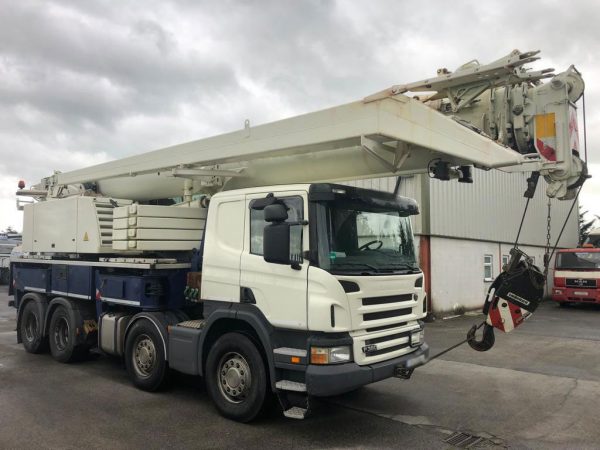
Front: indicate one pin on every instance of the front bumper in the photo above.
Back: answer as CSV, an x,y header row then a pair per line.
x,y
576,295
323,381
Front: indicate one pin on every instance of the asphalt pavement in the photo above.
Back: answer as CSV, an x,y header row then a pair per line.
x,y
539,387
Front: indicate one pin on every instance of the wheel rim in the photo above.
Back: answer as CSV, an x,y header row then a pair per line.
x,y
31,326
235,379
61,334
144,356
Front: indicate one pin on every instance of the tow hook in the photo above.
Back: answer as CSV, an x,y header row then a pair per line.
x,y
403,372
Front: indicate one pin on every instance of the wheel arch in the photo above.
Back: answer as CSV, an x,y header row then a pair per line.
x,y
159,320
251,323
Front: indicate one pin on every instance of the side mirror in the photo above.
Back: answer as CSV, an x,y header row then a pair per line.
x,y
275,213
282,244
276,243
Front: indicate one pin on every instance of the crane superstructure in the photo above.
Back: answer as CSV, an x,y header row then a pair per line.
x,y
236,257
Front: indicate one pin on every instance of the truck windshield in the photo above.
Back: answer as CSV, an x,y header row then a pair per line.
x,y
578,260
356,238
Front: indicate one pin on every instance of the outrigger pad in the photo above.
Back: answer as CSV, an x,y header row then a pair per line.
x,y
515,293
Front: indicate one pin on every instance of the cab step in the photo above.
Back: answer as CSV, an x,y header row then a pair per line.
x,y
294,400
195,324
286,385
295,412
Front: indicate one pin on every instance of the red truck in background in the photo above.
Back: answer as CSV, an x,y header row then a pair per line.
x,y
577,276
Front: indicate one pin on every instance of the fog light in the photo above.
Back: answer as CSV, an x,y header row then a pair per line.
x,y
417,337
330,355
557,291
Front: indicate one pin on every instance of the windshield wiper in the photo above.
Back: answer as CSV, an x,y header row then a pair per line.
x,y
402,266
356,264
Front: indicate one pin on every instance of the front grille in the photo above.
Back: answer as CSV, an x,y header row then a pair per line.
x,y
389,337
368,301
581,283
386,350
387,314
386,327
383,324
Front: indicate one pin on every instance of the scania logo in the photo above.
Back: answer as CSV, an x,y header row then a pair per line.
x,y
369,348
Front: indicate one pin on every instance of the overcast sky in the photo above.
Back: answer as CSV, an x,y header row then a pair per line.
x,y
83,82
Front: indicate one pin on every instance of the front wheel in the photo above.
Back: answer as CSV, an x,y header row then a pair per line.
x,y
236,377
145,356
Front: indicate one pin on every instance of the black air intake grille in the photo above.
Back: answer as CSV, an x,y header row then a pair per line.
x,y
386,299
389,337
580,283
387,314
386,350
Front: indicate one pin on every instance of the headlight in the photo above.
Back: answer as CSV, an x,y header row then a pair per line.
x,y
557,291
417,337
330,355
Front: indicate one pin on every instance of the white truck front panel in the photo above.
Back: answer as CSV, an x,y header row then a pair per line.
x,y
279,290
394,297
324,293
224,240
384,312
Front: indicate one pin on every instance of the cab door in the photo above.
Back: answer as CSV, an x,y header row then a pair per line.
x,y
278,290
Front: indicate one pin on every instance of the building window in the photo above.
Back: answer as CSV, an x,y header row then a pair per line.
x,y
488,267
505,259
257,224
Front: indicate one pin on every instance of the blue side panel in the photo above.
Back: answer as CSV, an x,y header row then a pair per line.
x,y
31,276
152,290
80,281
59,280
175,285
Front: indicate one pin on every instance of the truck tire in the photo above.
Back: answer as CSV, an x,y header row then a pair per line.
x,y
62,337
31,328
236,377
145,356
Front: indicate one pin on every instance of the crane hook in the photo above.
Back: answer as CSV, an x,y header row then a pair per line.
x,y
487,340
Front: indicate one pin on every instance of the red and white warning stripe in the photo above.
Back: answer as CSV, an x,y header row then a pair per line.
x,y
504,315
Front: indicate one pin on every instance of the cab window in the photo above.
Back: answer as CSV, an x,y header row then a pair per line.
x,y
257,221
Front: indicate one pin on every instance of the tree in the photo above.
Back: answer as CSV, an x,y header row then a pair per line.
x,y
585,225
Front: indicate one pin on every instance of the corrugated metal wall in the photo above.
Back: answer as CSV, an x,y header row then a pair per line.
x,y
379,184
490,209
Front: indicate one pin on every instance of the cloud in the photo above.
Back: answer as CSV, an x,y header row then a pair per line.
x,y
84,82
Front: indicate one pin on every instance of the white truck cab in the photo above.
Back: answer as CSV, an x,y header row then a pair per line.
x,y
327,276
351,266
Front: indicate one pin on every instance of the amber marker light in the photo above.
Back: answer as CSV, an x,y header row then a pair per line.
x,y
319,355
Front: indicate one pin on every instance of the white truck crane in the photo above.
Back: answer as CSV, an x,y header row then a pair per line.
x,y
236,257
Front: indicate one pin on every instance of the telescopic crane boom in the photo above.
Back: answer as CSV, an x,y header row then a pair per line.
x,y
489,116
